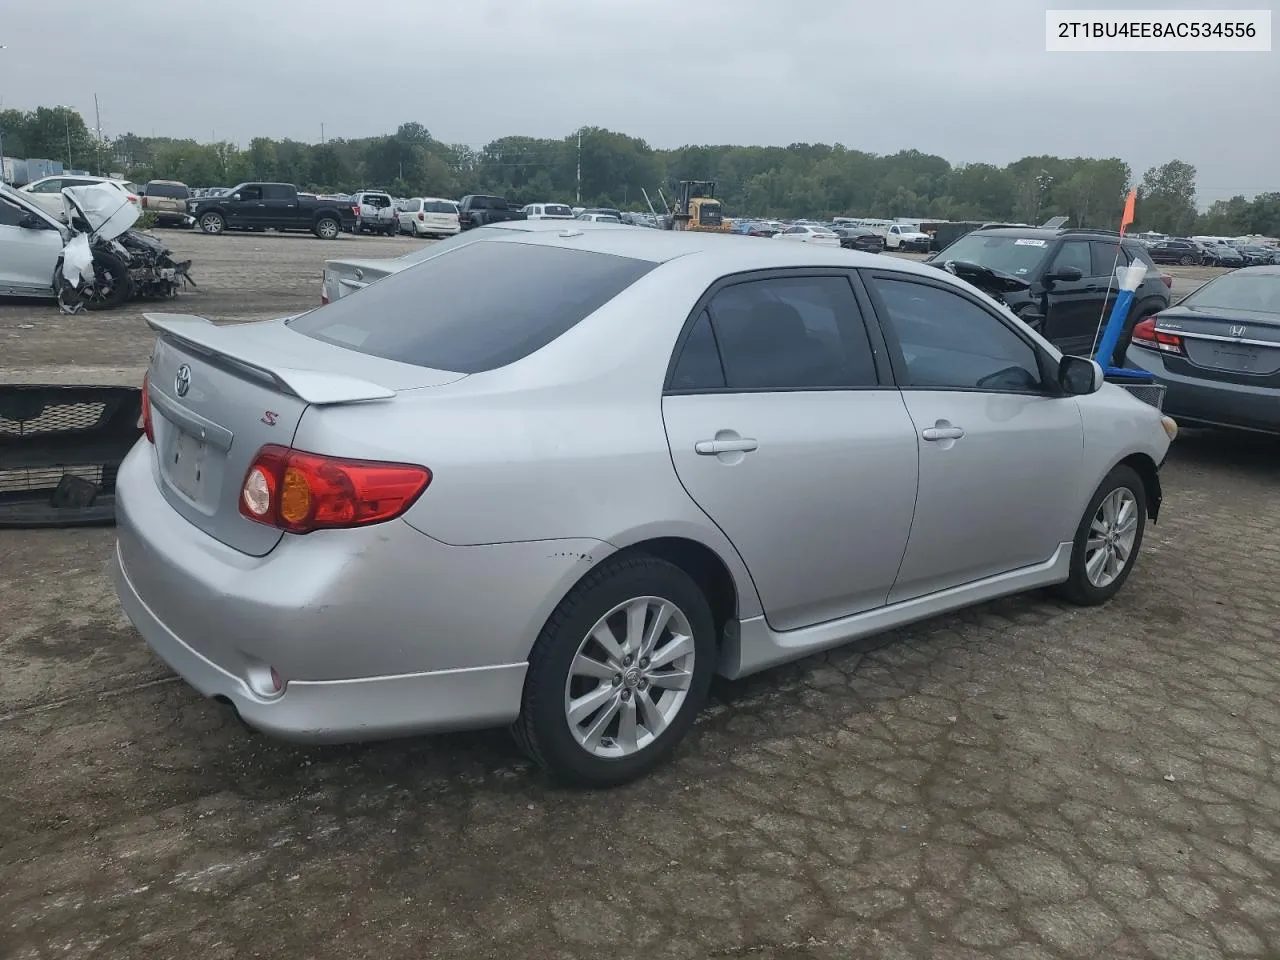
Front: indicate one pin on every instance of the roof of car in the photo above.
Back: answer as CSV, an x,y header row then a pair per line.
x,y
731,252
1266,269
1049,233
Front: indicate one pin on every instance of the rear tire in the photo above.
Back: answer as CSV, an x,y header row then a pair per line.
x,y
327,228
1187,260
638,714
1108,539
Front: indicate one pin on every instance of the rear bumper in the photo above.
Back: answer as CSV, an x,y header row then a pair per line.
x,y
379,632
1192,401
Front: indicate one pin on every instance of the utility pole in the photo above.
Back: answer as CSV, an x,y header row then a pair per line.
x,y
2,175
579,194
322,140
97,121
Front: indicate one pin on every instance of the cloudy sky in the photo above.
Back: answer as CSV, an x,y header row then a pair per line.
x,y
970,81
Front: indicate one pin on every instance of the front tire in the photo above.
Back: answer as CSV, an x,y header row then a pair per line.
x,y
618,673
1108,539
212,223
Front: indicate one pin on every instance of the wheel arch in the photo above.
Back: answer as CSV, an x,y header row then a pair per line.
x,y
1149,473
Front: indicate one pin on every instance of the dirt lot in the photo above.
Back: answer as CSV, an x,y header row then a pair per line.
x,y
1021,781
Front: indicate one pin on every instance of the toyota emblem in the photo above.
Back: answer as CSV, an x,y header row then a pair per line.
x,y
182,380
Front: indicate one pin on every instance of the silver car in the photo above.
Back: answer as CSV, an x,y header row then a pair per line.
x,y
558,478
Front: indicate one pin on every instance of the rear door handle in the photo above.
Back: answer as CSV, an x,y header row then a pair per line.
x,y
710,448
942,433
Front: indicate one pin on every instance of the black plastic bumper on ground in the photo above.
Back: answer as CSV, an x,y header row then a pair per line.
x,y
60,447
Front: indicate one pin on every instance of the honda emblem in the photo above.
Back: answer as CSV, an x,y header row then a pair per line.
x,y
1237,331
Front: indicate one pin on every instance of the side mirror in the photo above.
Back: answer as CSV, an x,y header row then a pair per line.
x,y
1069,274
235,196
1078,376
32,222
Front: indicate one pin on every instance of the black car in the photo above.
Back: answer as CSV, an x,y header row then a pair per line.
x,y
1057,280
1217,352
1256,255
860,238
1177,250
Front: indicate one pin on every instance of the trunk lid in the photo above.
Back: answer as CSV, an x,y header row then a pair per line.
x,y
1238,346
220,393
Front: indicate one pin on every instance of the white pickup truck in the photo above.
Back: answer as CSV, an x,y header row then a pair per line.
x,y
906,236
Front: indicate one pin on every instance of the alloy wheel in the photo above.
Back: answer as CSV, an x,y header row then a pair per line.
x,y
1112,532
630,677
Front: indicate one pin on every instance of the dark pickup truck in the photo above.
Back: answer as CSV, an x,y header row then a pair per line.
x,y
276,206
480,211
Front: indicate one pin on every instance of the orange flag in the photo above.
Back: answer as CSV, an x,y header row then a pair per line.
x,y
1128,211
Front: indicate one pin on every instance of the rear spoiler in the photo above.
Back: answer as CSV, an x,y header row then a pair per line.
x,y
310,386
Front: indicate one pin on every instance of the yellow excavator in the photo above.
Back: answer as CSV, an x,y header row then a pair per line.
x,y
695,208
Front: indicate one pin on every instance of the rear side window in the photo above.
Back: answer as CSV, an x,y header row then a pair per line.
x,y
793,333
471,310
699,365
277,191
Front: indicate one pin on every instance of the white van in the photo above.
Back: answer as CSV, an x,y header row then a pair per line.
x,y
428,217
548,211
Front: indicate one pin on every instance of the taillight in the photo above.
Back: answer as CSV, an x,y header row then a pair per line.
x,y
145,420
133,199
1167,280
422,216
355,211
1146,335
144,202
300,492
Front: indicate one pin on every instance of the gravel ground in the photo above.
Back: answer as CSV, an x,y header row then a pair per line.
x,y
1023,780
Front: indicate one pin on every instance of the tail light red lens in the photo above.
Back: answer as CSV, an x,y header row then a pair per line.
x,y
145,420
422,216
1167,280
144,202
1146,335
300,492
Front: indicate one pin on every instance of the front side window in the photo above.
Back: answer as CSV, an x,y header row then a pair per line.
x,y
48,186
1075,253
948,342
250,193
793,333
10,214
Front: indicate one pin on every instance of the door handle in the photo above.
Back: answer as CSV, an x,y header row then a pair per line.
x,y
942,433
711,448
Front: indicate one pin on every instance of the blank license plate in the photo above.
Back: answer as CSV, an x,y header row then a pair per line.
x,y
186,466
1235,358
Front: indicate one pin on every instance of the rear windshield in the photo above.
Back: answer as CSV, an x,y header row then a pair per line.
x,y
176,191
471,309
556,210
437,206
1259,293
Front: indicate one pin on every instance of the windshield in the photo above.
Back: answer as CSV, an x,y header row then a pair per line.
x,y
1017,256
1258,293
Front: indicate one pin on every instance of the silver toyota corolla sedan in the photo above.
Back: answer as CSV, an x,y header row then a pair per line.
x,y
558,477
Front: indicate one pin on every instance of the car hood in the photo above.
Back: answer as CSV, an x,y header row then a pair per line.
x,y
984,278
105,208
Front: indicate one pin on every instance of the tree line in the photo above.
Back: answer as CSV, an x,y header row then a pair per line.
x,y
803,179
